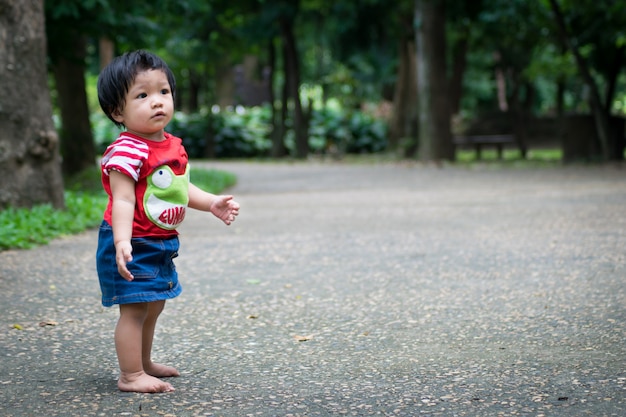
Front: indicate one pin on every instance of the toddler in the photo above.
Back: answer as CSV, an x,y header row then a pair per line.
x,y
145,172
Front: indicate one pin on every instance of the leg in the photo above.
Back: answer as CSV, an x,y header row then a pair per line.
x,y
128,344
155,369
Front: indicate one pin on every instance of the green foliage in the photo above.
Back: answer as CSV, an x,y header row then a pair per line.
x,y
26,228
369,135
238,132
352,132
212,181
242,132
85,201
104,131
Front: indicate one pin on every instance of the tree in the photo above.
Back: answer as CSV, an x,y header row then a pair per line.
x,y
434,138
29,150
291,60
605,43
67,48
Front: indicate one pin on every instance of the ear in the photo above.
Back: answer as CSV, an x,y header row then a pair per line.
x,y
117,116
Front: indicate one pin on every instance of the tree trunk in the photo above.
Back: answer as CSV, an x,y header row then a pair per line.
x,y
403,124
284,106
30,165
293,69
614,72
459,63
520,111
278,141
77,145
503,103
106,51
195,86
435,138
224,83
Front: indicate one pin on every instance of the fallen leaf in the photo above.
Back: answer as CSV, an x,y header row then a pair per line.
x,y
303,338
254,281
48,323
252,316
18,327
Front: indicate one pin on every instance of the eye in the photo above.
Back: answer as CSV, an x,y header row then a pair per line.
x,y
165,91
162,178
142,95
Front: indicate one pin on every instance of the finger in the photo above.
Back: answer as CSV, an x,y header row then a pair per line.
x,y
123,269
126,274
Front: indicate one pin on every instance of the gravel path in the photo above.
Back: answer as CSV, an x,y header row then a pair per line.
x,y
381,289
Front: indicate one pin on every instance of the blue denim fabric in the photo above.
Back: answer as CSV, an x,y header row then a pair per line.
x,y
152,266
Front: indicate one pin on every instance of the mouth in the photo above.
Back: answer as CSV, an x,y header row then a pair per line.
x,y
159,114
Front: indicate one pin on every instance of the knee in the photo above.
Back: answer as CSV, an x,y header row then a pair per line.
x,y
135,312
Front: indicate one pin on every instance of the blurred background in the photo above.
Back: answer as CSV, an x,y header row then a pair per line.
x,y
277,78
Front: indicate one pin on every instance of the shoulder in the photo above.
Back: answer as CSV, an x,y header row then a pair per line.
x,y
127,146
125,141
126,155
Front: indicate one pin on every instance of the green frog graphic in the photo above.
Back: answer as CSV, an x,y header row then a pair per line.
x,y
166,197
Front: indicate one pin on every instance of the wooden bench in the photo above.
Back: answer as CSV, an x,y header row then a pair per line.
x,y
479,141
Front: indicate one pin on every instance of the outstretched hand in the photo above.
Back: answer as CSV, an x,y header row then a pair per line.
x,y
225,208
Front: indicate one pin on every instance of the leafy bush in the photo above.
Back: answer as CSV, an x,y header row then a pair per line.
x,y
193,129
369,135
351,132
242,132
26,228
245,132
328,128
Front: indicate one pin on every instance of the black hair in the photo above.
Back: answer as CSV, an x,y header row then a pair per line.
x,y
116,78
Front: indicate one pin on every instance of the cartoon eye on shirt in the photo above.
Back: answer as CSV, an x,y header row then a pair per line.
x,y
166,197
162,178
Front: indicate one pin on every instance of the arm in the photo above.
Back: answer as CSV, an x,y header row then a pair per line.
x,y
123,210
222,206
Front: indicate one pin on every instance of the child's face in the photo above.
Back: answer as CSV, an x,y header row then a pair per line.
x,y
149,105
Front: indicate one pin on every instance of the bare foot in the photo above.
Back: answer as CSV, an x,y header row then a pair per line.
x,y
160,371
142,382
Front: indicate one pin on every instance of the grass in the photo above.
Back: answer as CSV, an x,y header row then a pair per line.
x,y
25,228
511,158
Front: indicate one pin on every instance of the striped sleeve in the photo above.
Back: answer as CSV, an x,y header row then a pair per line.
x,y
125,155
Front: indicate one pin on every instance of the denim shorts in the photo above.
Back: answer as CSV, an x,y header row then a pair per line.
x,y
152,266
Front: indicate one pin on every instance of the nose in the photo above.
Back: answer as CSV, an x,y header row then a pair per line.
x,y
157,101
